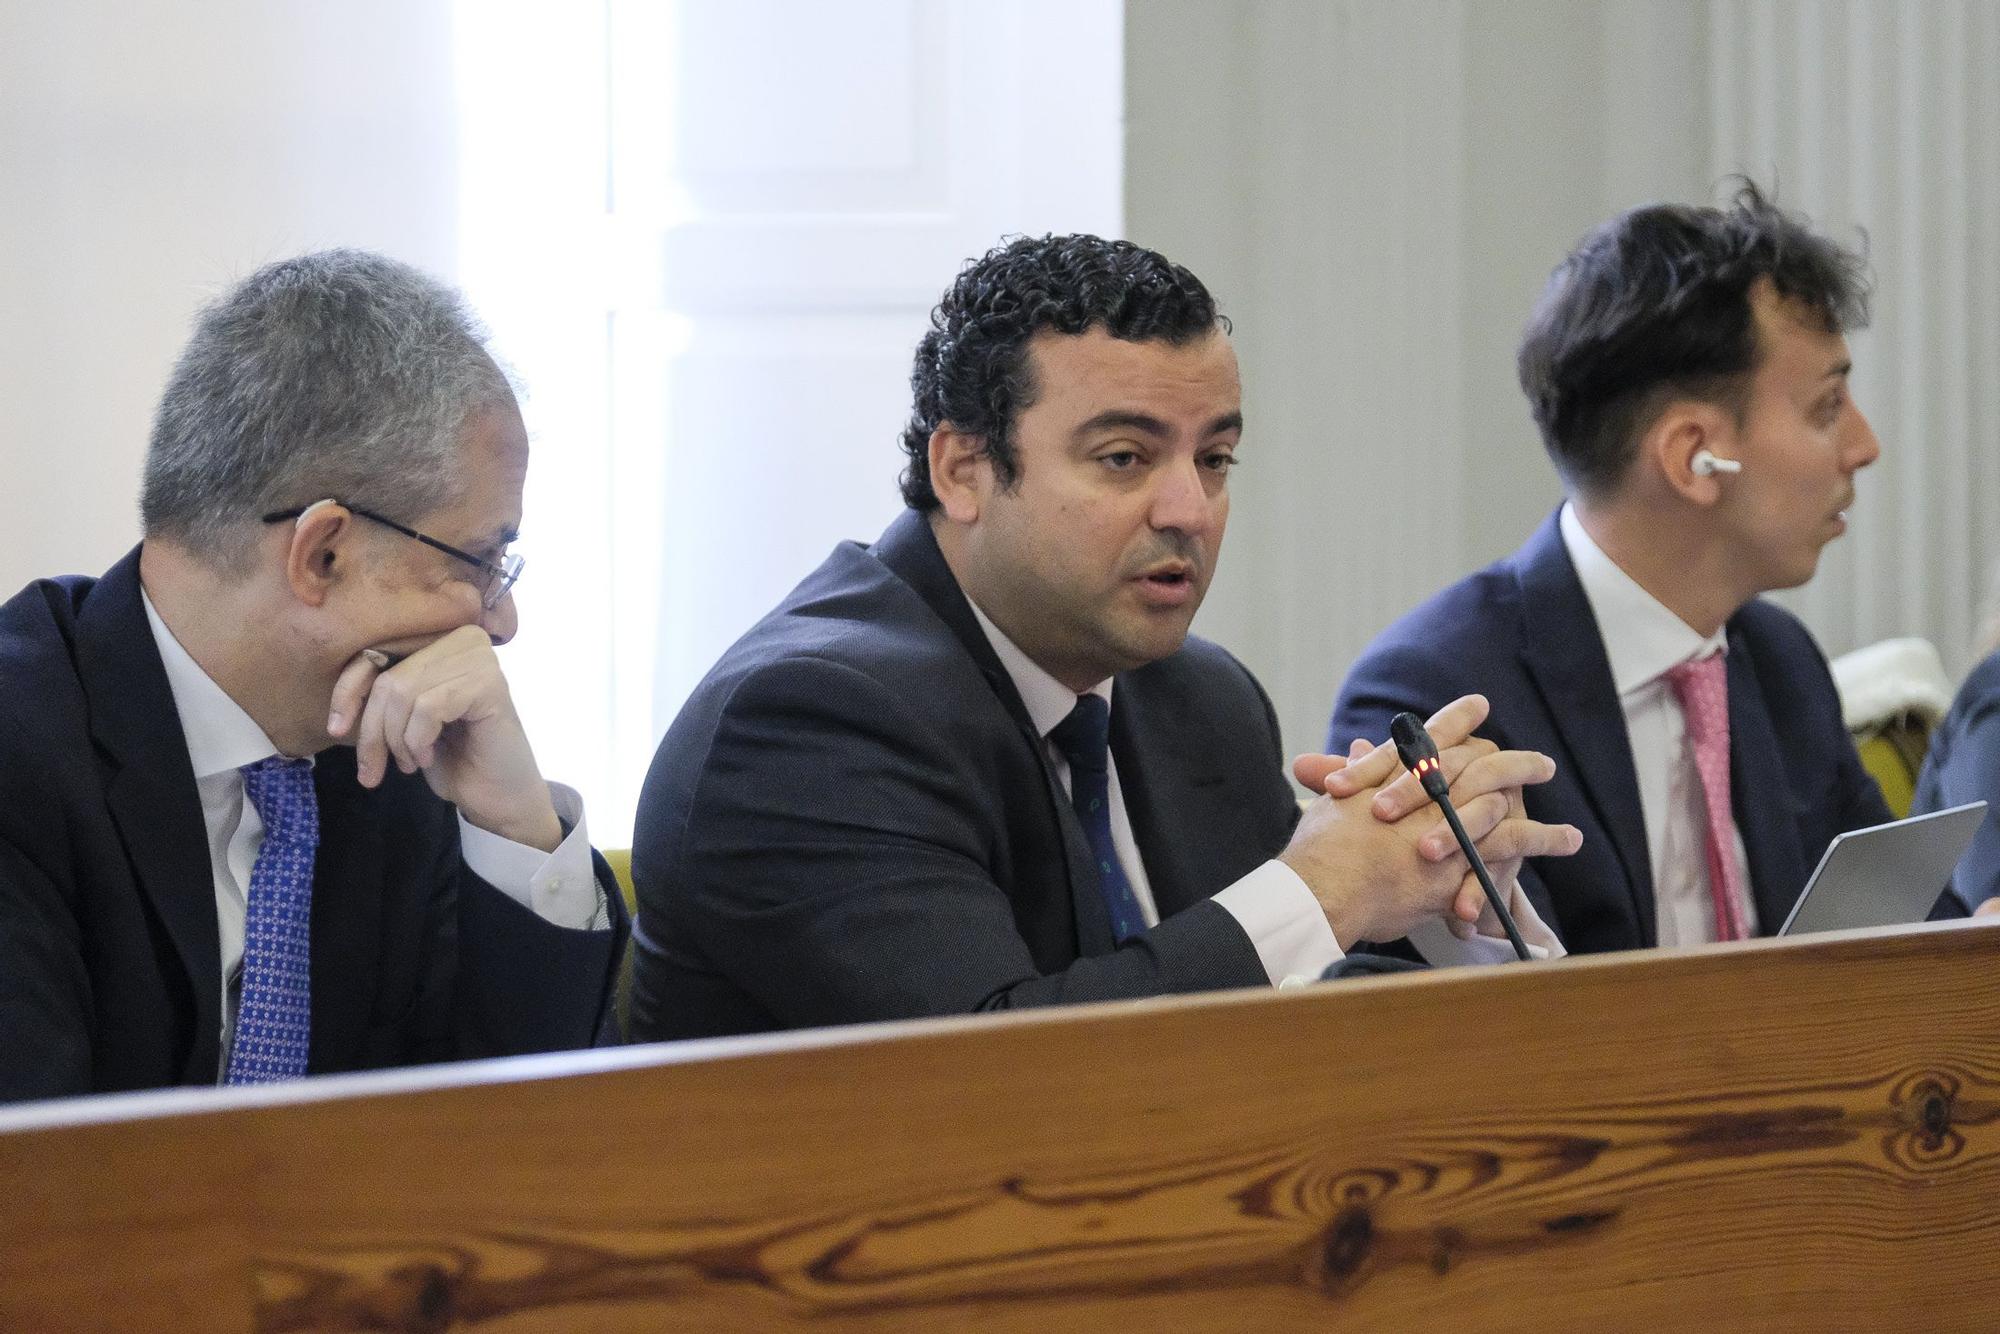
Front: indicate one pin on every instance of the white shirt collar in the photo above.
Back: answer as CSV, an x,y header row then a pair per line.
x,y
1642,638
1048,700
221,737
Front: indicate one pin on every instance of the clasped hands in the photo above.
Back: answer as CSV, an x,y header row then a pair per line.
x,y
1352,846
445,709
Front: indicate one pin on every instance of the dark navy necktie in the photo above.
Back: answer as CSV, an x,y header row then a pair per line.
x,y
1085,741
274,1019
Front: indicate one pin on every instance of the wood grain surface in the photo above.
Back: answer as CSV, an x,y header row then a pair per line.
x,y
1763,1136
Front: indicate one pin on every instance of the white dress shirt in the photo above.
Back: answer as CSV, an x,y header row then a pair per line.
x,y
560,886
1643,640
1285,923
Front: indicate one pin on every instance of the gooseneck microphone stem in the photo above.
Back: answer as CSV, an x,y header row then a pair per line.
x,y
1485,879
1420,756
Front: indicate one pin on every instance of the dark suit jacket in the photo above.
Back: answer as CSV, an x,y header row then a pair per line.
x,y
109,957
1961,765
852,819
1521,633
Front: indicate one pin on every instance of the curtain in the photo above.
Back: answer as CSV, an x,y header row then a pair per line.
x,y
1885,116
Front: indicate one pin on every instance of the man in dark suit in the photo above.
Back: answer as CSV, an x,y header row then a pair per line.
x,y
265,806
1688,370
981,765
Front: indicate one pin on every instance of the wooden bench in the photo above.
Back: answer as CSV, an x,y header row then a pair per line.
x,y
1764,1136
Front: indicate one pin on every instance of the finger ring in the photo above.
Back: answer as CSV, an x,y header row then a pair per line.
x,y
377,658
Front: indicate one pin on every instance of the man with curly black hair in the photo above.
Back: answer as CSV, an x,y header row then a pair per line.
x,y
981,765
1688,368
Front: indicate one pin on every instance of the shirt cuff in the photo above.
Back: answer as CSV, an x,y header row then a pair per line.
x,y
559,887
1442,945
1285,923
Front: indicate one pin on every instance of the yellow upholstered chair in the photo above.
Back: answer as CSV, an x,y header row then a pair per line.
x,y
1892,695
620,862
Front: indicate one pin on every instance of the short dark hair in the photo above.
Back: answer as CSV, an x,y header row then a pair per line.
x,y
972,369
1654,305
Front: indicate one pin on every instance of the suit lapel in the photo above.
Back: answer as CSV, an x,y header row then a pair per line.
x,y
909,550
1166,765
1563,652
1759,796
348,879
150,790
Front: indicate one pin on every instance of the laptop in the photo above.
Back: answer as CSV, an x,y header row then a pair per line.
x,y
1886,875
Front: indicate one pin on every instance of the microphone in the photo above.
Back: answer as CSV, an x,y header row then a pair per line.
x,y
1420,756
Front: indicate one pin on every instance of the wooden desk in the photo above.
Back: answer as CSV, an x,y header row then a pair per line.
x,y
1765,1136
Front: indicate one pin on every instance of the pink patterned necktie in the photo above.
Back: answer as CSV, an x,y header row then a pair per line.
x,y
1702,687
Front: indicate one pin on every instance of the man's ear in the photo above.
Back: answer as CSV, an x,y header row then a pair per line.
x,y
1684,429
961,472
320,553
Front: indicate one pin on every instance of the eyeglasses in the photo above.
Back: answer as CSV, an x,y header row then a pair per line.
x,y
500,578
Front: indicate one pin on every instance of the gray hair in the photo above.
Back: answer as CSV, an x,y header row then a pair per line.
x,y
342,374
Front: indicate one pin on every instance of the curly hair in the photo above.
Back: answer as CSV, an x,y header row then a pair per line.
x,y
1655,304
972,370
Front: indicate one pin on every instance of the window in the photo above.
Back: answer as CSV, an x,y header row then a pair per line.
x,y
707,235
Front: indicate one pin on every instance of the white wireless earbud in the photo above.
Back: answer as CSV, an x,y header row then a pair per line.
x,y
1706,464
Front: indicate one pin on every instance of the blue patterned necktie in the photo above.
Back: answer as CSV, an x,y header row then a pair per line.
x,y
274,1019
1085,741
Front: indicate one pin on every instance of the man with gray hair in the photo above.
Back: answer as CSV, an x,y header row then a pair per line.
x,y
266,808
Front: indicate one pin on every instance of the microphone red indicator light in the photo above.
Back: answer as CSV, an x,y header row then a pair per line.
x,y
1419,754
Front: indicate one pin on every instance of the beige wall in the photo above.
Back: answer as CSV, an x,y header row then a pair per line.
x,y
149,154
1376,194
1374,190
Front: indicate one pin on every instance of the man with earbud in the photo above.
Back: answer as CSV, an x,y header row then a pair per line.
x,y
1689,372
